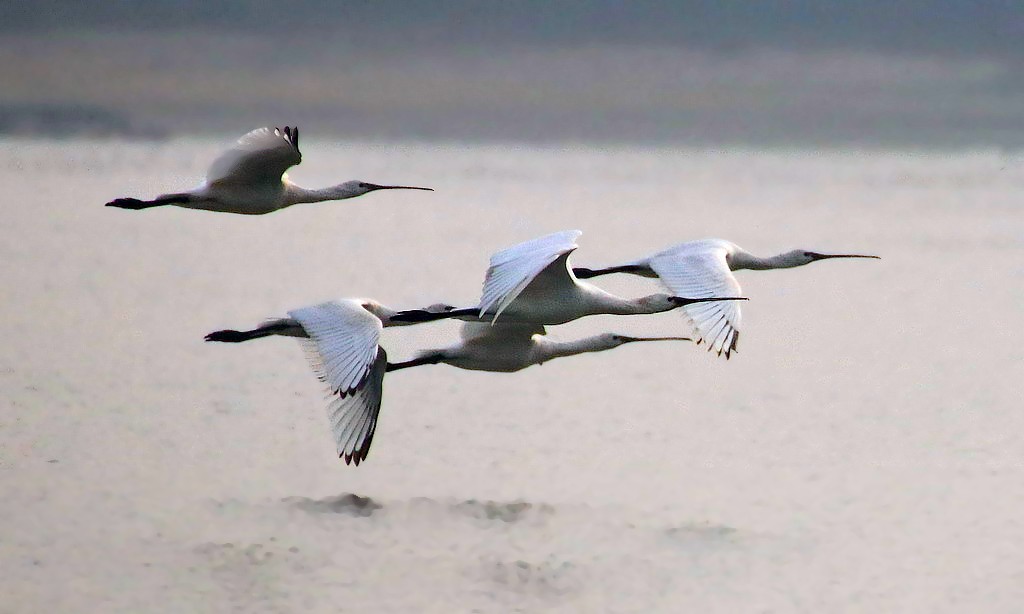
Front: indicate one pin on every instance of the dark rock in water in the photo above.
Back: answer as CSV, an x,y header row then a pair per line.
x,y
496,510
349,503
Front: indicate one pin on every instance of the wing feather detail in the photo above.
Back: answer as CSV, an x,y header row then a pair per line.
x,y
694,270
512,270
353,415
260,156
343,350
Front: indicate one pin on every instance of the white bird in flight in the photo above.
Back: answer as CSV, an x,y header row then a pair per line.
x,y
342,344
532,283
341,339
250,179
704,268
507,347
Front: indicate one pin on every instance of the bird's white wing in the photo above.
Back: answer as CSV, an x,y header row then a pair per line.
x,y
697,271
504,331
353,416
343,350
513,269
260,156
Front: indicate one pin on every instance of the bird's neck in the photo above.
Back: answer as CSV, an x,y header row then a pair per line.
x,y
616,305
548,349
298,194
383,313
740,259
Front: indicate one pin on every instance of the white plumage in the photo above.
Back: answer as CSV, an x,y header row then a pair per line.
x,y
533,263
249,179
704,268
701,269
532,282
259,157
506,347
342,343
341,339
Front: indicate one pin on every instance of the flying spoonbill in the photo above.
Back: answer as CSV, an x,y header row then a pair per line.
x,y
507,347
532,283
250,179
704,268
342,343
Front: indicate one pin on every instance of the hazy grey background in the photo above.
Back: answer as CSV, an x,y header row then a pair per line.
x,y
862,453
916,73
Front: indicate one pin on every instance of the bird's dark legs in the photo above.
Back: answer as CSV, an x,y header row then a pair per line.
x,y
136,204
635,269
422,315
429,359
237,336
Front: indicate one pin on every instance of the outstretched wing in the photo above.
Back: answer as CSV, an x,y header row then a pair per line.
x,y
513,269
344,352
260,156
353,416
698,270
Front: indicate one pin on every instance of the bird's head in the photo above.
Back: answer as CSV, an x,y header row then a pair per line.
x,y
614,340
657,303
358,188
799,257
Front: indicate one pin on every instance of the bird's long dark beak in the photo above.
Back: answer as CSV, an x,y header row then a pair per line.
x,y
682,300
825,256
374,186
626,339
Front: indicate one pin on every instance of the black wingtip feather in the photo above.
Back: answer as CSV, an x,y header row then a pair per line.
x,y
290,134
359,454
354,458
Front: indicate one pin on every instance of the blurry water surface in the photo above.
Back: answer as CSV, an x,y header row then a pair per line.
x,y
862,452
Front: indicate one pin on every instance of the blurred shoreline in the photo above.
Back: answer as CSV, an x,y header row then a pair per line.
x,y
161,83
